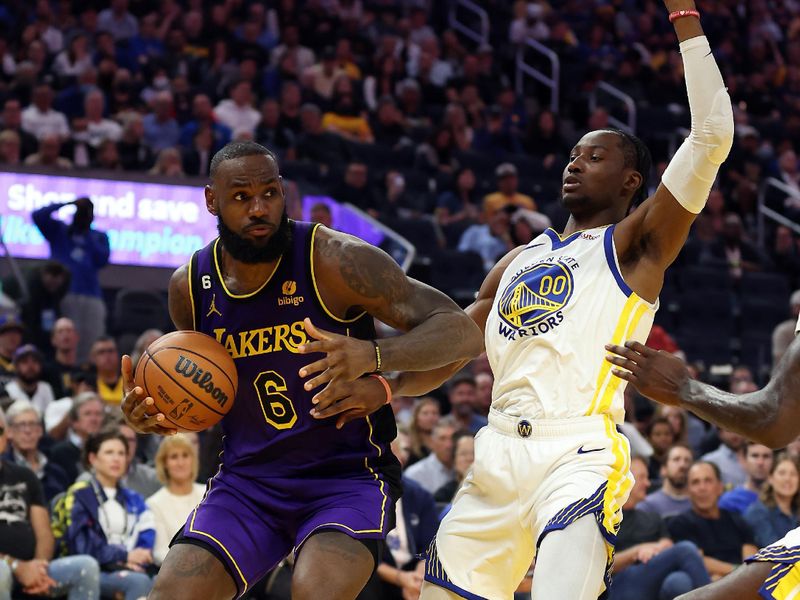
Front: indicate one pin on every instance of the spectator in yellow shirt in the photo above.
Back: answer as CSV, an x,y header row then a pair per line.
x,y
506,194
346,118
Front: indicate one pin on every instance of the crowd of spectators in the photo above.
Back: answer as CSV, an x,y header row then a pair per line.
x,y
382,105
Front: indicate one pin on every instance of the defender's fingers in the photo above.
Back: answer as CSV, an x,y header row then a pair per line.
x,y
626,375
623,351
623,362
640,348
336,408
323,377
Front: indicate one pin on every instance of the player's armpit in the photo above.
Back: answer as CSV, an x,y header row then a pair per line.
x,y
181,310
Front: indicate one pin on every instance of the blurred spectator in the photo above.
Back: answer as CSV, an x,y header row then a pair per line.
x,y
785,254
387,125
25,431
673,497
688,428
435,470
356,189
27,384
728,458
147,45
86,418
107,157
483,392
10,148
321,77
528,23
775,513
168,163
783,334
47,286
661,438
176,466
48,154
493,139
75,58
757,465
463,457
146,338
732,249
196,160
272,134
647,564
134,155
461,204
724,538
526,225
543,139
139,477
160,127
455,119
203,118
26,541
105,361
118,21
317,145
491,240
12,121
290,44
57,418
462,395
93,129
64,363
507,193
438,153
11,331
102,518
84,251
409,97
383,82
40,120
321,213
400,574
237,112
345,117
423,419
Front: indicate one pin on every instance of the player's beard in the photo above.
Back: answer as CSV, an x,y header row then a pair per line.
x,y
245,251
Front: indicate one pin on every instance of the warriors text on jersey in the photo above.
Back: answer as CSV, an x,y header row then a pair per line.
x,y
558,303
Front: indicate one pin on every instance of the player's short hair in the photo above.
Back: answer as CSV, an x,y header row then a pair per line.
x,y
239,150
637,157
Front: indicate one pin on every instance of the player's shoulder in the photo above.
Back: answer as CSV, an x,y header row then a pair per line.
x,y
331,246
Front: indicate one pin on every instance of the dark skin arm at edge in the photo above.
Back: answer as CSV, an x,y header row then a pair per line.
x,y
422,382
769,416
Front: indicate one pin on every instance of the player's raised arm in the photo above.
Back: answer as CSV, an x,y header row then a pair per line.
x,y
769,416
657,230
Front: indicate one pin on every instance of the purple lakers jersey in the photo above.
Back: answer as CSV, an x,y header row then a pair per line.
x,y
269,431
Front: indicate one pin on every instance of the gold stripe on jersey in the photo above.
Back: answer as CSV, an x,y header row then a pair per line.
x,y
607,383
619,481
225,289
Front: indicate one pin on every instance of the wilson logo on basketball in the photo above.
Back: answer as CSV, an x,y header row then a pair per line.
x,y
202,379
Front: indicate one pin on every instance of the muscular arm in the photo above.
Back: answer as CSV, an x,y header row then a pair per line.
x,y
180,303
422,382
650,238
356,275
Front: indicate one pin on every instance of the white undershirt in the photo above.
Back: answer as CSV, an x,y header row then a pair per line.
x,y
112,518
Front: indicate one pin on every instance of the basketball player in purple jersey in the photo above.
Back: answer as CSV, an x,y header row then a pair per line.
x,y
290,481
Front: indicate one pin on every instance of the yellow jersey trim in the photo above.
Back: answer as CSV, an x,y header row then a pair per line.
x,y
225,287
316,288
191,292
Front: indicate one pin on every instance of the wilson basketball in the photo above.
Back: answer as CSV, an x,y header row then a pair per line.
x,y
191,378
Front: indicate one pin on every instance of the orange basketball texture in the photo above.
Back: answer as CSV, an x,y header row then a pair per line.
x,y
191,378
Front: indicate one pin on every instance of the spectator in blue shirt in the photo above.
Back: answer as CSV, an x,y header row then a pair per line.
x,y
84,251
775,513
161,130
491,240
757,465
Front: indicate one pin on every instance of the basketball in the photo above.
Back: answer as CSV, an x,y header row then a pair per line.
x,y
191,378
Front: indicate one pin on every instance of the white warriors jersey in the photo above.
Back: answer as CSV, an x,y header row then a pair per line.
x,y
558,303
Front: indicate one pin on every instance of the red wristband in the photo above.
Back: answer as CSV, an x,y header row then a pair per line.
x,y
386,386
679,14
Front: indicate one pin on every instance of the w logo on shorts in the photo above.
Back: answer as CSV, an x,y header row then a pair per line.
x,y
536,293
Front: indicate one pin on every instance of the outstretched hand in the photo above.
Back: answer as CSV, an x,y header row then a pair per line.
x,y
656,374
135,405
346,359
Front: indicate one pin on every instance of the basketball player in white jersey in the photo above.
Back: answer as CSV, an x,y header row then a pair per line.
x,y
551,472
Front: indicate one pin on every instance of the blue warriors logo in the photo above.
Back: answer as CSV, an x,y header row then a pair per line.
x,y
533,300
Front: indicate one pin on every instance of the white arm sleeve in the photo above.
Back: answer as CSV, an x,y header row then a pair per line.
x,y
692,171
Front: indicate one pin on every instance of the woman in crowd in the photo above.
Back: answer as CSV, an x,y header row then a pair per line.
x,y
103,519
176,467
774,514
424,418
463,457
661,437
